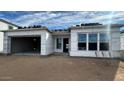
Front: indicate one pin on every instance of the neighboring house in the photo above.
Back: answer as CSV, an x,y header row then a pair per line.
x,y
5,25
84,41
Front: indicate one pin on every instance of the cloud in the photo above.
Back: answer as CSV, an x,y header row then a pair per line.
x,y
64,19
113,16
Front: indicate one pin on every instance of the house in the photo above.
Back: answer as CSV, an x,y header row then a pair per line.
x,y
81,40
5,25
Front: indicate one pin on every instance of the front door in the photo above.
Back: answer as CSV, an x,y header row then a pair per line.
x,y
65,45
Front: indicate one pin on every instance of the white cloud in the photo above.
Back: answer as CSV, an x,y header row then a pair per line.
x,y
115,16
35,18
61,19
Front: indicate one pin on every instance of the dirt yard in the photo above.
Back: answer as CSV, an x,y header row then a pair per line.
x,y
37,68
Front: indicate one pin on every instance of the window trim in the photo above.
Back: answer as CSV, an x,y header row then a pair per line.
x,y
108,41
98,41
81,42
93,42
57,44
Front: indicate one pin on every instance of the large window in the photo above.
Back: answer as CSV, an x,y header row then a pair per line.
x,y
58,43
104,42
81,41
92,41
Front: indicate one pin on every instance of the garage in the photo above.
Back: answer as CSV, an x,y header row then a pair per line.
x,y
25,45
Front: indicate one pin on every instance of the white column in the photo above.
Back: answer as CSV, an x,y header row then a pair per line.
x,y
5,44
9,45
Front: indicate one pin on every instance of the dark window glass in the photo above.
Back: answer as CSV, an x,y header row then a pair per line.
x,y
81,46
92,46
104,46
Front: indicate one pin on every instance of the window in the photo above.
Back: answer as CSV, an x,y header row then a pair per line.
x,y
58,43
81,41
92,41
10,27
104,41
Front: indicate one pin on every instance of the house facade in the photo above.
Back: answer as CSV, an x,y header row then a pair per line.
x,y
83,41
95,41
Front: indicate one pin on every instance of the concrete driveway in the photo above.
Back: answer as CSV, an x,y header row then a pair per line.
x,y
37,68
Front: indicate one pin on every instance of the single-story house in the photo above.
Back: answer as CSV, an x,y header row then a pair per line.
x,y
84,41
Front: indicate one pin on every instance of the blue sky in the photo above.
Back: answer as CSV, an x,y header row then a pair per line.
x,y
61,19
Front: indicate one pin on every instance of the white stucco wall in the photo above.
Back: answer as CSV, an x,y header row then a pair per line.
x,y
114,43
49,43
1,42
46,40
3,26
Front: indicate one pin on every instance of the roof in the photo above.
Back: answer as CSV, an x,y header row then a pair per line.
x,y
96,26
27,29
2,20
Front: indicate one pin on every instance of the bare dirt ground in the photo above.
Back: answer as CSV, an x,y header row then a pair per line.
x,y
37,68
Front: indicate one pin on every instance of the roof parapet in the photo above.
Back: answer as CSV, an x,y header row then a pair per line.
x,y
95,26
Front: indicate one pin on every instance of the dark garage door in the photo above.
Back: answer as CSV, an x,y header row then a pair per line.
x,y
25,45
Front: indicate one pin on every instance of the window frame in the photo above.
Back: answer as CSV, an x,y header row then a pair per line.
x,y
93,41
82,42
107,41
57,39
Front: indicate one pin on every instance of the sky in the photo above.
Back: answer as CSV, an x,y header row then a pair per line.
x,y
62,19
